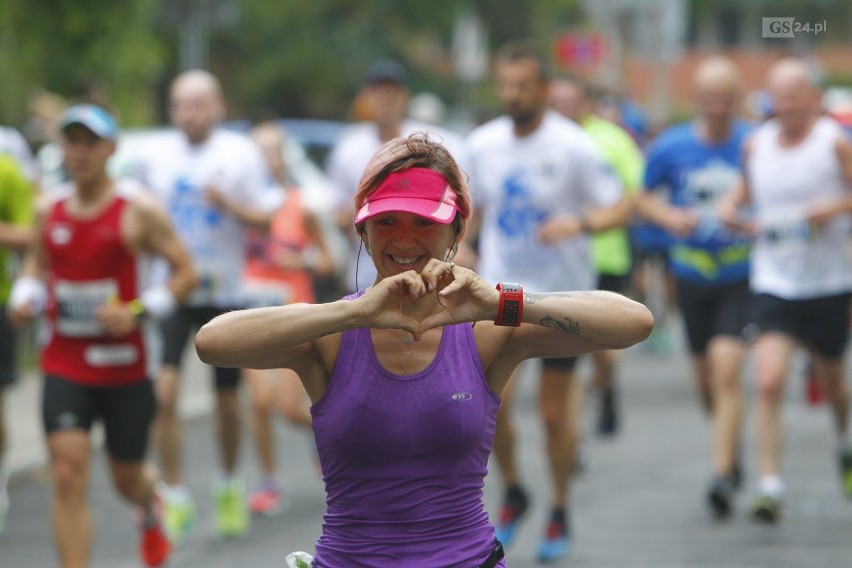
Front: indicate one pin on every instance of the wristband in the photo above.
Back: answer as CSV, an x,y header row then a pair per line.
x,y
28,290
584,224
511,308
137,308
158,301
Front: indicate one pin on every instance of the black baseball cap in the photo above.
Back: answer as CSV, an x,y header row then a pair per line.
x,y
386,71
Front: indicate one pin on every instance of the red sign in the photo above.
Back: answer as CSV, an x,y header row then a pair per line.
x,y
580,50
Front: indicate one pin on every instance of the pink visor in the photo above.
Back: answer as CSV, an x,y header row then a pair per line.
x,y
421,191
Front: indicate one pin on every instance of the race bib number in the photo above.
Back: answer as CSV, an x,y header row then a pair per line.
x,y
76,305
788,232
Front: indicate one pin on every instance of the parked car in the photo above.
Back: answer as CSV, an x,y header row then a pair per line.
x,y
316,136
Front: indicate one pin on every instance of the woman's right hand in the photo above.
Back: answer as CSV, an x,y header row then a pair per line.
x,y
381,306
465,297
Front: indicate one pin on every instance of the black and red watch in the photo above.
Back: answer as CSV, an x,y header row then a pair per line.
x,y
511,308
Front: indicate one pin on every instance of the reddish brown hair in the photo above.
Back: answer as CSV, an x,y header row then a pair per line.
x,y
420,150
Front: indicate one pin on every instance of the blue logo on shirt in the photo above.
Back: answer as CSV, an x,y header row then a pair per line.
x,y
518,216
190,210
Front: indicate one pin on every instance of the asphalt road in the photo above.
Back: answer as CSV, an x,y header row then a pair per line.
x,y
639,502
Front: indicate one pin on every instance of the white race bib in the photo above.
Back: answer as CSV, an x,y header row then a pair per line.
x,y
788,231
76,305
113,355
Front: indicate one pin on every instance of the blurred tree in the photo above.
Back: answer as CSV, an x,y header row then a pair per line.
x,y
72,48
308,58
293,58
286,58
507,19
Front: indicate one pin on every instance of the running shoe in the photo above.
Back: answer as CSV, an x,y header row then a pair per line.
x,y
232,518
266,501
557,539
154,545
660,342
845,463
766,509
515,504
608,417
737,473
178,514
720,496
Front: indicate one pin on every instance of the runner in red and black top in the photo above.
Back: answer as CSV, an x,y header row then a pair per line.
x,y
90,265
84,270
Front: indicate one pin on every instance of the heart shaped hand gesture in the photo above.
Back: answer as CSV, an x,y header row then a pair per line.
x,y
405,301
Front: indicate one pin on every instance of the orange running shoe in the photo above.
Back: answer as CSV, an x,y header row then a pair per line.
x,y
266,502
154,546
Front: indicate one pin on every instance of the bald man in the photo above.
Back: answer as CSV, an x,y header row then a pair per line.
x,y
799,185
690,168
212,181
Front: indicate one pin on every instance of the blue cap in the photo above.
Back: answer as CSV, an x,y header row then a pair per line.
x,y
93,117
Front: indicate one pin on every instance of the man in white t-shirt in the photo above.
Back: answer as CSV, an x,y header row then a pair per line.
x,y
386,96
798,169
212,181
539,187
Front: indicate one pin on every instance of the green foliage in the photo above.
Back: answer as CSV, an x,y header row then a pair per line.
x,y
67,46
284,57
309,58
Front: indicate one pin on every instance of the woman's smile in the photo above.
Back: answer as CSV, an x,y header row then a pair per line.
x,y
405,261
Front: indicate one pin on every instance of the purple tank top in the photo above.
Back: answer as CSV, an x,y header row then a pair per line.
x,y
404,458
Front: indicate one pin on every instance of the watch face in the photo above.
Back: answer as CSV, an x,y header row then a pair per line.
x,y
510,310
511,296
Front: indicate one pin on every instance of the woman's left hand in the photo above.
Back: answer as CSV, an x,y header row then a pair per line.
x,y
465,296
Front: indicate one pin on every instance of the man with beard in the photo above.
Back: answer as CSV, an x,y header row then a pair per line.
x,y
539,188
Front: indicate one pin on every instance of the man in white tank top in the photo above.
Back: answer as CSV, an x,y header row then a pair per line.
x,y
799,184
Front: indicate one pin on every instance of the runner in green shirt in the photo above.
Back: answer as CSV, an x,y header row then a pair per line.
x,y
575,98
16,217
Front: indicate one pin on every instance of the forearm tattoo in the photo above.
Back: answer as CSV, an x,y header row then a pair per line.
x,y
569,326
565,324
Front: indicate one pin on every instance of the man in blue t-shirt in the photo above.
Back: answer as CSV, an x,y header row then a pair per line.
x,y
689,168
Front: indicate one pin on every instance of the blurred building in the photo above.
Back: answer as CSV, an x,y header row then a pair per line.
x,y
652,46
